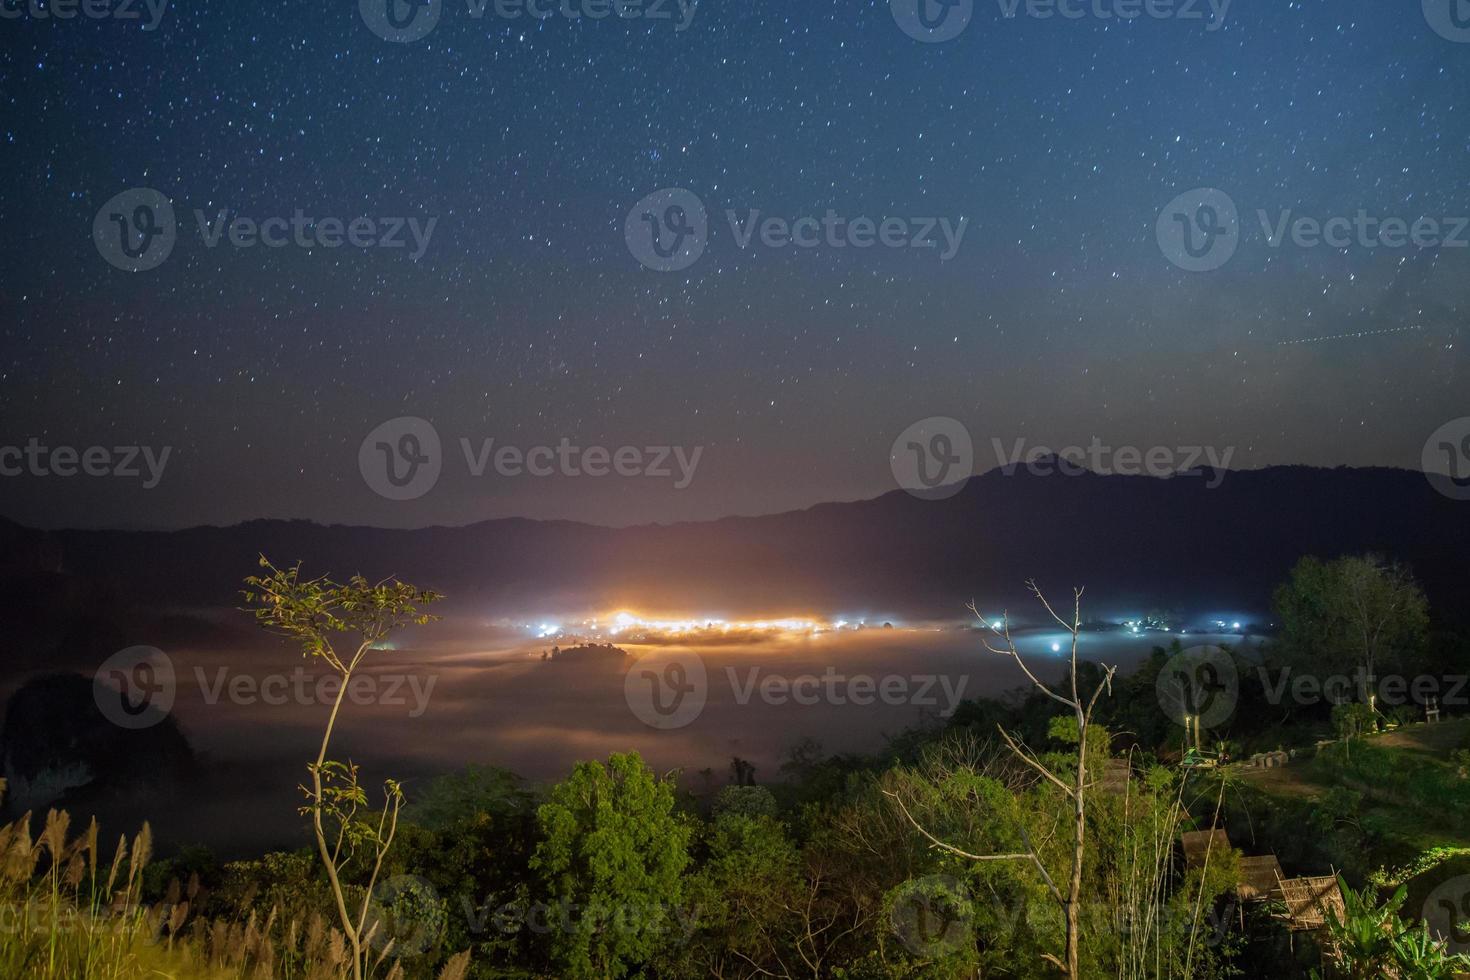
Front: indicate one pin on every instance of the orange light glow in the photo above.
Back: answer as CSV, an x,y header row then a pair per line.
x,y
630,625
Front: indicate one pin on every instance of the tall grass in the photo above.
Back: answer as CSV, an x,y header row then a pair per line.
x,y
68,913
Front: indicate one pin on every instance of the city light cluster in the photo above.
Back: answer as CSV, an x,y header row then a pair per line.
x,y
628,625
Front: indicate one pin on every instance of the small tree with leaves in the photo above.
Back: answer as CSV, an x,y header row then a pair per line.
x,y
338,624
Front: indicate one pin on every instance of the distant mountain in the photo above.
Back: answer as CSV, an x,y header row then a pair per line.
x,y
1172,543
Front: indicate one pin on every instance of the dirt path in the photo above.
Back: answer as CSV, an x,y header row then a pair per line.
x,y
1282,781
1436,740
1433,741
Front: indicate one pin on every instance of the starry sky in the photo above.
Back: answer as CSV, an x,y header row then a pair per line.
x,y
528,319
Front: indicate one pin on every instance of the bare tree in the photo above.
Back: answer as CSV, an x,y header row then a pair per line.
x,y
1081,706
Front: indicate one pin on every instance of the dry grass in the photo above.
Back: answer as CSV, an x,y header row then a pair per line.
x,y
69,913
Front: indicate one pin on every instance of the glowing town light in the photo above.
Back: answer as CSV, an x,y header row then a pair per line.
x,y
1056,648
1235,626
997,625
629,624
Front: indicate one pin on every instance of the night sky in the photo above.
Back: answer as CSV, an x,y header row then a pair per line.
x,y
528,319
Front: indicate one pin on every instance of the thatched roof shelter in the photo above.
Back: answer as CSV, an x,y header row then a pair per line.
x,y
1197,845
1259,877
1308,899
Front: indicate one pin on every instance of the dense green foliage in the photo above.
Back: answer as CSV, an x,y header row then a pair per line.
x,y
937,857
612,857
1356,611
